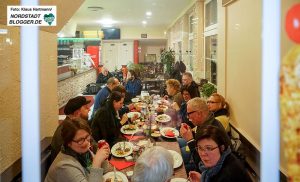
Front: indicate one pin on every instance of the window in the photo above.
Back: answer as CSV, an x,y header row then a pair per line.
x,y
211,40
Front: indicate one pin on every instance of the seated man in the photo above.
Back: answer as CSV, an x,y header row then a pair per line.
x,y
155,164
76,107
104,76
104,93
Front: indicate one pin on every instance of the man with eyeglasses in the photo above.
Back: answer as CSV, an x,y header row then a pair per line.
x,y
199,114
77,107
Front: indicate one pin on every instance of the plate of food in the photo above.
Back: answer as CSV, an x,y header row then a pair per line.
x,y
129,129
176,158
140,105
122,149
134,100
163,118
110,177
132,114
161,108
169,132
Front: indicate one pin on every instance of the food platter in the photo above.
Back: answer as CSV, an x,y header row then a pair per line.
x,y
131,114
118,150
140,104
169,132
176,158
109,177
163,118
129,129
134,100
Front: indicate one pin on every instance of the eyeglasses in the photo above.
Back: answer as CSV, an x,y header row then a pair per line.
x,y
82,140
190,113
211,102
206,148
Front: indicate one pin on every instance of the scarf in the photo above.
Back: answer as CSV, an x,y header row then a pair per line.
x,y
207,173
84,159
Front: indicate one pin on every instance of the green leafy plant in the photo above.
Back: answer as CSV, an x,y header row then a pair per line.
x,y
167,57
137,68
207,89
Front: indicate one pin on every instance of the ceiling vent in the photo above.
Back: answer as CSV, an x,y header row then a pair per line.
x,y
95,8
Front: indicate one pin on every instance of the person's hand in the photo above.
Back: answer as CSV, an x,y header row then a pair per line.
x,y
100,156
194,176
124,119
186,132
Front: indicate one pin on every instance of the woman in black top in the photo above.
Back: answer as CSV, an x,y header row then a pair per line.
x,y
107,122
218,164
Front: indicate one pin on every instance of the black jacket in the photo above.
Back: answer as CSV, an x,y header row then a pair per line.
x,y
232,171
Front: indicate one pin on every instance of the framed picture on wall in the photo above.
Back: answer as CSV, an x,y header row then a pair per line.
x,y
150,57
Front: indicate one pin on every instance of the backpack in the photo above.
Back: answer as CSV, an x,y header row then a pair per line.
x,y
92,89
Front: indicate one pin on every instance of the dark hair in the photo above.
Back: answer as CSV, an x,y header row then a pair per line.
x,y
119,88
216,134
188,89
133,73
70,127
116,96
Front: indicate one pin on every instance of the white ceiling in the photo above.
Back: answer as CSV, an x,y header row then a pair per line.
x,y
130,13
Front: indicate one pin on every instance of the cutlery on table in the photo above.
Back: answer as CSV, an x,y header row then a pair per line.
x,y
115,175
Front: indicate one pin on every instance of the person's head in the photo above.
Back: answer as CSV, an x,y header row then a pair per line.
x,y
78,107
76,134
112,82
173,86
211,143
104,71
187,78
117,100
131,75
186,93
216,102
197,111
155,164
121,89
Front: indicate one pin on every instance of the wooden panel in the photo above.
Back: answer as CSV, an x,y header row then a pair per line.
x,y
3,9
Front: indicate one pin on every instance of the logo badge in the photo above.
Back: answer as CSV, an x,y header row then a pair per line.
x,y
49,18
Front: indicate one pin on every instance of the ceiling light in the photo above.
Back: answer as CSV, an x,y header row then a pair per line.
x,y
95,8
107,22
144,22
148,13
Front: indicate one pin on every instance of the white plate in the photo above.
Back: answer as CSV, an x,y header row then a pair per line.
x,y
121,144
178,180
176,158
163,118
131,114
134,100
163,130
118,174
129,132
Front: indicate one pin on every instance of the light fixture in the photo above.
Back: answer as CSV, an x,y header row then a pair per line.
x,y
144,22
107,22
95,8
149,13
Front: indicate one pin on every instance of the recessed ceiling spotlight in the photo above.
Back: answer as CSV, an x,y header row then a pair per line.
x,y
95,8
148,13
144,22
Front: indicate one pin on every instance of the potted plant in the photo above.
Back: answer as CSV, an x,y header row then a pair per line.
x,y
137,68
167,57
207,89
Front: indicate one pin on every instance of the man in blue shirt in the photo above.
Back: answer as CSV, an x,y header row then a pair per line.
x,y
104,93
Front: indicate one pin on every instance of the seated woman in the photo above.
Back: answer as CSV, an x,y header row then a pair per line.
x,y
75,162
133,84
103,76
107,123
217,161
155,164
217,104
173,90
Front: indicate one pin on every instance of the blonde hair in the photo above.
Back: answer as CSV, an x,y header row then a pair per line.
x,y
174,83
221,99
